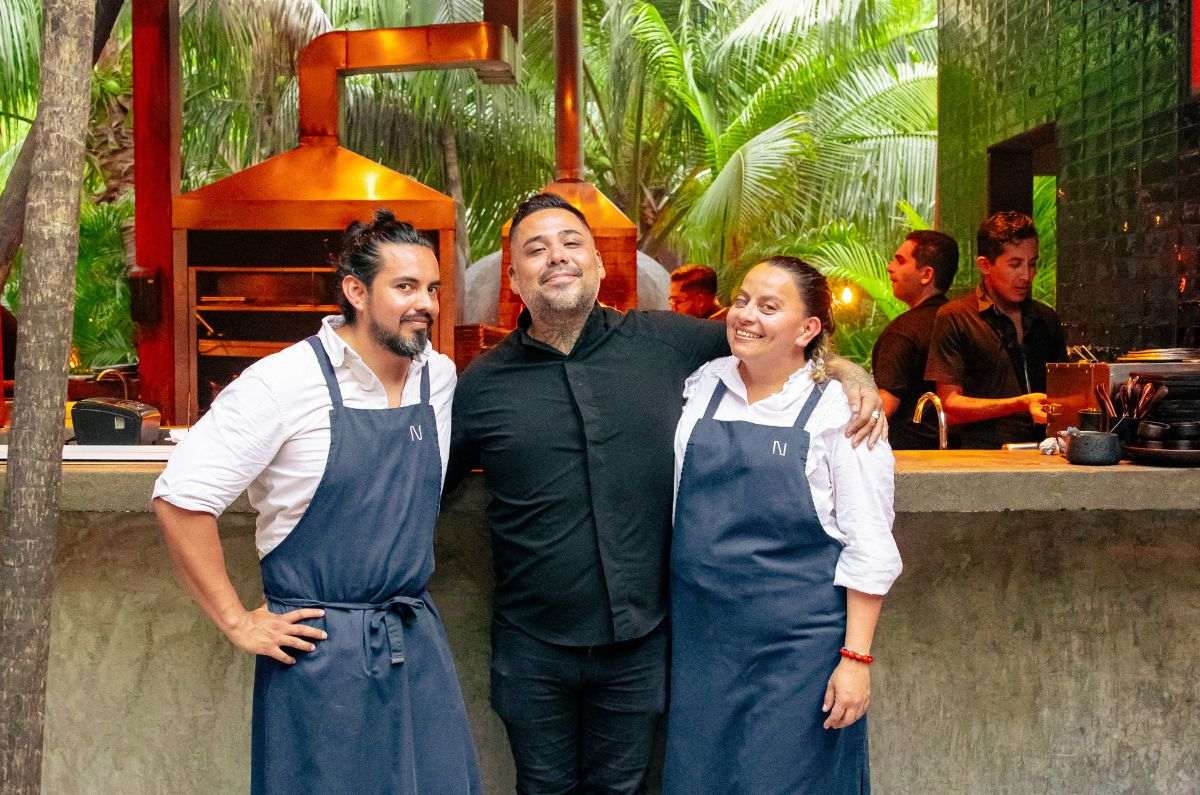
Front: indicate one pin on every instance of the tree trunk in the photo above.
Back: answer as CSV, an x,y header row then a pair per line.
x,y
34,465
12,200
462,244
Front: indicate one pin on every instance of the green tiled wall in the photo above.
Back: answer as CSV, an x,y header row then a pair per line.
x,y
1112,75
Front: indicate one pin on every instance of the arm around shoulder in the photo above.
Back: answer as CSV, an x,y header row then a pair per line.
x,y
866,406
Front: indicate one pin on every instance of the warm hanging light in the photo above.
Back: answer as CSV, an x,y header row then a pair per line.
x,y
847,295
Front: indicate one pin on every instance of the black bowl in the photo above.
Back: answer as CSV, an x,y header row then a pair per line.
x,y
1148,429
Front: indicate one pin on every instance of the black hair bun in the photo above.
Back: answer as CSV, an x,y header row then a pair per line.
x,y
384,216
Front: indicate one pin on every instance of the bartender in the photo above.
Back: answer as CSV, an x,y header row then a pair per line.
x,y
990,348
341,443
921,271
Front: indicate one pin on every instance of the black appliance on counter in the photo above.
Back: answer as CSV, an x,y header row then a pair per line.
x,y
105,420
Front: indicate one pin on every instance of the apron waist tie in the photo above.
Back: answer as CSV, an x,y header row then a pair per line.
x,y
391,613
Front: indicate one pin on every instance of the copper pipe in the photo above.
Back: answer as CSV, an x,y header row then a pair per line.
x,y
568,100
485,47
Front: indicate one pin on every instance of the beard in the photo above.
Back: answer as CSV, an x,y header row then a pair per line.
x,y
409,345
579,300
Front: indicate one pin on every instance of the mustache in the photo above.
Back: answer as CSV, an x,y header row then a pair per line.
x,y
570,269
428,318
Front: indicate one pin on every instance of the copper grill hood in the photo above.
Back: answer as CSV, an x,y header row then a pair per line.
x,y
322,185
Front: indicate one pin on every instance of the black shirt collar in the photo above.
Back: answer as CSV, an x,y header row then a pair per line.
x,y
937,299
594,331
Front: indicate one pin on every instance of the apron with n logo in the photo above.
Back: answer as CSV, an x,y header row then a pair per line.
x,y
376,708
756,621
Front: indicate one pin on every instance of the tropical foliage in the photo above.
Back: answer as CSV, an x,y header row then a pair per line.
x,y
20,23
1045,217
728,130
103,329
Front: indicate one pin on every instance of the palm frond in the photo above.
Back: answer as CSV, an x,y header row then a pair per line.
x,y
668,62
855,262
1045,218
20,45
752,185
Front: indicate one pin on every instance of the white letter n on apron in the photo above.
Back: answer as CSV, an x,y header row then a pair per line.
x,y
778,448
414,433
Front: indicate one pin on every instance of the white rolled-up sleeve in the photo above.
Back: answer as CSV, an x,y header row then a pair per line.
x,y
863,499
226,450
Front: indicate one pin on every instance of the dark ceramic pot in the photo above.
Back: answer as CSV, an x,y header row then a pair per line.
x,y
1090,419
1156,431
1094,448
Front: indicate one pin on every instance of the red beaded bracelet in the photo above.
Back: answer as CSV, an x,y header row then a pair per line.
x,y
853,655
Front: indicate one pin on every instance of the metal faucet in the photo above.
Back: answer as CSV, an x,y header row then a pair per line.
x,y
930,397
120,376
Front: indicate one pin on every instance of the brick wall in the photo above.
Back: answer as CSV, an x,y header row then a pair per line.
x,y
1112,75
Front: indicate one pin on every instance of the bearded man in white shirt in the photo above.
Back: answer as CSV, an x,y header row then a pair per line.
x,y
341,443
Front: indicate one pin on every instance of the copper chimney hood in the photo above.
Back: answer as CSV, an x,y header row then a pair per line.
x,y
317,187
487,47
615,234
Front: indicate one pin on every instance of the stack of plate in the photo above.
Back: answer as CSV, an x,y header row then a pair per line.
x,y
1162,355
1181,410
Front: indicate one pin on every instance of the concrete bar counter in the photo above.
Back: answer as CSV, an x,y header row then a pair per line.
x,y
1043,636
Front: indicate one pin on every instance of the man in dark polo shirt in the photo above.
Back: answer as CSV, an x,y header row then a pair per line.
x,y
921,270
572,417
990,347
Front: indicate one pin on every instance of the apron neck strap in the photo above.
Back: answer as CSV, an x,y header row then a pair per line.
x,y
424,382
715,401
814,397
335,392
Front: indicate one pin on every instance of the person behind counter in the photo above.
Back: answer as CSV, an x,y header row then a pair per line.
x,y
781,555
990,348
571,417
921,271
694,292
340,442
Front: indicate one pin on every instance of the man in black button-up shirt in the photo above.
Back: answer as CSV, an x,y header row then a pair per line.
x,y
572,417
990,348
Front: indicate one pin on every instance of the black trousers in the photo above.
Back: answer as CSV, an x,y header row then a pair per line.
x,y
580,719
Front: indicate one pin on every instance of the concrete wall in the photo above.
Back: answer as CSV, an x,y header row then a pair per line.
x,y
1019,652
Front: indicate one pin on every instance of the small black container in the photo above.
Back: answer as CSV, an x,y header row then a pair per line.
x,y
1148,430
1090,419
1094,448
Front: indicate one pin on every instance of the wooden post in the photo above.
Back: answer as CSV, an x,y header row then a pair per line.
x,y
156,124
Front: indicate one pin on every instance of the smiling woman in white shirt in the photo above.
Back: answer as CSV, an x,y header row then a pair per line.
x,y
781,556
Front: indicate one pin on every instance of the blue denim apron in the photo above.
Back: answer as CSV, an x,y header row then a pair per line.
x,y
376,708
756,621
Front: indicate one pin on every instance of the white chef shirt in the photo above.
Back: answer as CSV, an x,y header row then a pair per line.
x,y
852,487
267,433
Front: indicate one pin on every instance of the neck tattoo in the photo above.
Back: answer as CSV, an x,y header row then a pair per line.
x,y
561,338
